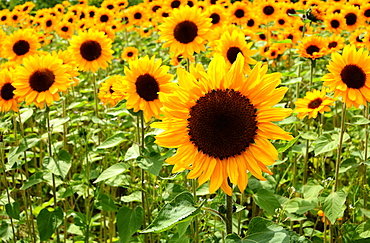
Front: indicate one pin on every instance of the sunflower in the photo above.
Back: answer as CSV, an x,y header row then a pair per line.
x,y
352,16
172,4
334,22
185,31
221,129
4,16
365,11
335,43
268,10
312,47
282,21
314,102
40,79
48,23
25,8
103,16
177,58
357,38
109,5
239,12
8,99
144,79
291,34
91,49
130,53
138,14
316,13
64,29
230,45
20,44
121,4
107,94
70,64
349,76
217,14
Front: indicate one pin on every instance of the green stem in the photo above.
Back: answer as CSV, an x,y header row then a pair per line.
x,y
229,214
364,166
336,179
305,170
196,222
51,155
93,77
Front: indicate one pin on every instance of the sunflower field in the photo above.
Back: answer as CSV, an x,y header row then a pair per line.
x,y
185,121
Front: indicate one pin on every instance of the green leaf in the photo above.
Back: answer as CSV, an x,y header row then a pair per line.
x,y
26,114
5,231
133,152
58,121
311,190
362,231
113,141
12,210
264,230
332,206
288,145
60,166
300,205
107,203
310,135
180,209
267,201
285,41
348,164
361,121
325,144
48,222
114,170
33,180
292,81
27,142
128,222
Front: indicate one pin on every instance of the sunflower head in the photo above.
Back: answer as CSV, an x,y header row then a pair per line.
x,y
221,123
8,99
312,47
314,102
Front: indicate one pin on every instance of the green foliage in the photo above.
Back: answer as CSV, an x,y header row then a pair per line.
x,y
48,222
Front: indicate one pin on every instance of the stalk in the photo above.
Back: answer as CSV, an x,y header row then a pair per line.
x,y
336,180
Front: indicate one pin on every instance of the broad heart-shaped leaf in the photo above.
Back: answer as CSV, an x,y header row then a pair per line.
x,y
332,205
128,222
33,180
362,231
326,142
27,142
12,210
59,166
106,203
113,141
114,170
48,222
264,230
267,201
180,209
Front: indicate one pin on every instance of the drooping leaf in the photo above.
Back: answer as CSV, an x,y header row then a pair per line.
x,y
332,205
133,152
114,170
180,209
113,141
13,210
56,166
264,230
48,222
362,231
128,222
267,201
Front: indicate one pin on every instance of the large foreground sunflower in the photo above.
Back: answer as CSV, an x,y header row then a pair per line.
x,y
144,79
349,76
221,124
40,79
91,49
185,31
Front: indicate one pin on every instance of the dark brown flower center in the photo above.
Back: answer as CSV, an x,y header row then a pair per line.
x,y
311,49
185,32
110,7
334,23
250,23
65,29
262,36
49,23
130,54
3,18
91,14
190,3
367,13
147,87
104,18
7,91
239,13
353,76
232,53
111,90
41,79
222,123
155,8
268,10
290,36
291,11
175,4
21,47
351,18
15,17
215,18
358,39
315,103
90,50
333,44
281,21
138,16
